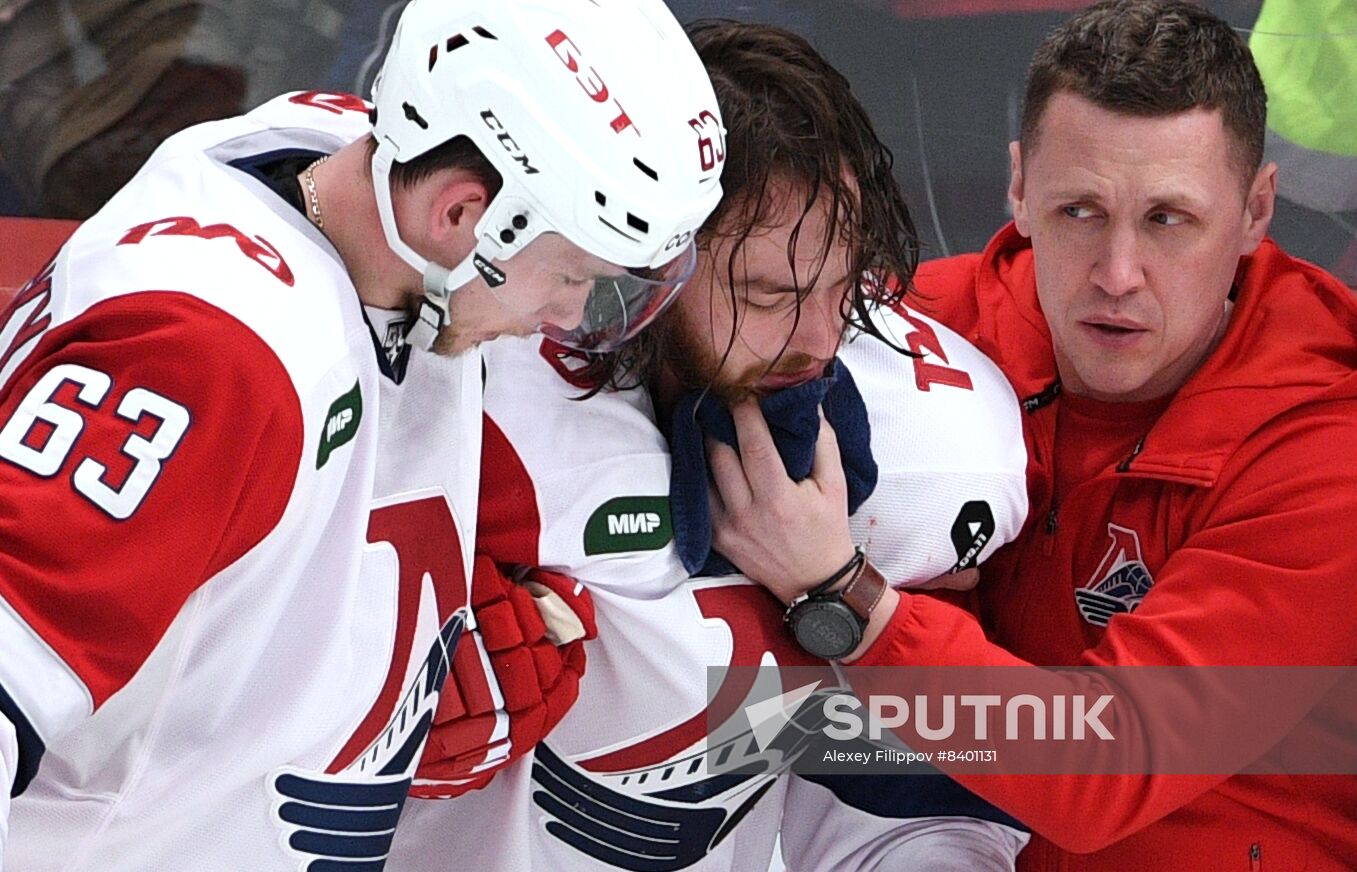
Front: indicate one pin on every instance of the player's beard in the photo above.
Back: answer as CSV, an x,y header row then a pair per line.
x,y
689,354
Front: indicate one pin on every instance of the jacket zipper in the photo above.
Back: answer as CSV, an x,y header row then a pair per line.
x,y
1052,524
1256,857
1053,516
1125,465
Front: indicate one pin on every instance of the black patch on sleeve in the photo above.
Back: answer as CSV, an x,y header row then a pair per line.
x,y
31,747
925,794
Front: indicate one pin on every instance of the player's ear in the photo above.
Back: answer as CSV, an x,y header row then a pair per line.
x,y
1017,201
1261,200
459,200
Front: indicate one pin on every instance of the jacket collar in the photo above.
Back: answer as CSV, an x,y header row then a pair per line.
x,y
1291,340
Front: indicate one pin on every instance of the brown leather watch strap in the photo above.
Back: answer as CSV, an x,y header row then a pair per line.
x,y
864,591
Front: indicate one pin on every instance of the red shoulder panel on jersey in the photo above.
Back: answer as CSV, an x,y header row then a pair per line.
x,y
144,446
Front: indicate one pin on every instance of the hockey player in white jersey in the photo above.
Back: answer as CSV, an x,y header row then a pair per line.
x,y
238,491
788,306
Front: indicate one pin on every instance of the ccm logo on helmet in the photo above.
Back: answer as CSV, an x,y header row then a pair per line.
x,y
589,79
678,240
507,141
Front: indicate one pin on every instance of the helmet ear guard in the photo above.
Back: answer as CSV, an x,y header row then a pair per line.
x,y
509,224
588,111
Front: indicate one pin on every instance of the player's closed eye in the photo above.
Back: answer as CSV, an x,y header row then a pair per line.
x,y
772,302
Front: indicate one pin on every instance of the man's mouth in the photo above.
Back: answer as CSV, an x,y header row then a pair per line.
x,y
1114,331
777,381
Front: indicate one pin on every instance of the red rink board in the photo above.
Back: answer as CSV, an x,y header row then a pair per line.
x,y
26,244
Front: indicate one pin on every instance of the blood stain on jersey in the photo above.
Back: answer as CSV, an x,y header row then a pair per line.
x,y
1119,583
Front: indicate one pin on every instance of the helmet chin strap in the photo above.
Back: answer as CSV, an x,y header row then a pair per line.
x,y
439,285
439,281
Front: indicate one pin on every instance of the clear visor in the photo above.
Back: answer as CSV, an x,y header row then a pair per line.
x,y
582,301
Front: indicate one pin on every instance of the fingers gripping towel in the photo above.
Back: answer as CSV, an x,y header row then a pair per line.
x,y
794,422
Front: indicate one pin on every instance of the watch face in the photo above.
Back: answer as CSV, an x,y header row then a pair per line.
x,y
826,629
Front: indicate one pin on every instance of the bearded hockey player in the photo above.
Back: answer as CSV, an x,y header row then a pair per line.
x,y
788,305
237,490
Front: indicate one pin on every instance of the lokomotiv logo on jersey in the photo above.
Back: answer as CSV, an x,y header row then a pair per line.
x,y
663,802
1120,581
345,817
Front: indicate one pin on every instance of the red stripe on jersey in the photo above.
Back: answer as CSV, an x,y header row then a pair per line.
x,y
508,522
101,590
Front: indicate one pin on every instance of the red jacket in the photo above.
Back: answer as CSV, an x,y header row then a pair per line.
x,y
1243,496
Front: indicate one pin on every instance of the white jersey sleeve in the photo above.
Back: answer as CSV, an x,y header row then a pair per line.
x,y
9,759
822,834
947,439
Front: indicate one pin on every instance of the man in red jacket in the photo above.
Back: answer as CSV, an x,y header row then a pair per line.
x,y
1192,411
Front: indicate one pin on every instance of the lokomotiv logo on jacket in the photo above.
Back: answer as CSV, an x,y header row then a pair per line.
x,y
1120,581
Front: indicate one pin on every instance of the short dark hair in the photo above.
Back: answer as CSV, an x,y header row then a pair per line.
x,y
457,153
1152,58
791,117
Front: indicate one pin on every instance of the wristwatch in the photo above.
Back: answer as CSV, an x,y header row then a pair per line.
x,y
829,624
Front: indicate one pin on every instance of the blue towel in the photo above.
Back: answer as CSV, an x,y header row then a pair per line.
x,y
794,421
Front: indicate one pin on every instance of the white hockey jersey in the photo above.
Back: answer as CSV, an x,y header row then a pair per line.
x,y
223,622
582,487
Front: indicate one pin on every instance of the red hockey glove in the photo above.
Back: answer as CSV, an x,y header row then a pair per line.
x,y
510,682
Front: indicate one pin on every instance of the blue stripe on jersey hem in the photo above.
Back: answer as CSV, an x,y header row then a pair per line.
x,y
31,747
926,794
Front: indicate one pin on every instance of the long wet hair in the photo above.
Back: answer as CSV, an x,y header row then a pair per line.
x,y
791,118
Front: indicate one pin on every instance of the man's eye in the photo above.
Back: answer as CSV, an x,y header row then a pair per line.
x,y
772,303
1077,211
1167,219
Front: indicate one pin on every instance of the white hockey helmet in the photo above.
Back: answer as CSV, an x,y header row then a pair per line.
x,y
599,117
